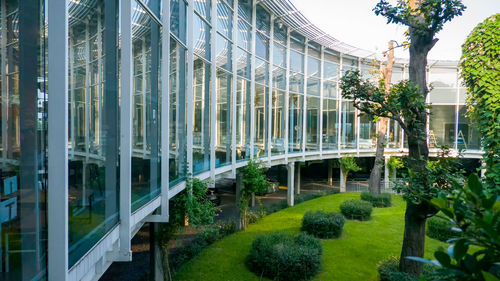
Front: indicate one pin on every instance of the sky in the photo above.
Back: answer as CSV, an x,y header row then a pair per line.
x,y
354,22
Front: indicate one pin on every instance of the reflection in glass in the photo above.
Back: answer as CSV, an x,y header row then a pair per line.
x,y
348,129
243,63
330,124
23,145
178,11
224,19
278,123
367,132
312,124
223,53
201,38
295,113
394,134
223,119
201,116
260,104
177,118
468,135
442,126
242,119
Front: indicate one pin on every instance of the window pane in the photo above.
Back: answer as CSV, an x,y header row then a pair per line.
x,y
278,123
468,135
280,32
244,36
330,89
224,19
295,113
223,53
313,67
313,86
201,116
243,63
279,79
442,126
262,46
348,132
201,38
203,7
312,124
297,41
330,124
261,72
296,82
296,61
223,122
242,119
178,19
245,9
394,131
263,20
260,104
367,132
279,55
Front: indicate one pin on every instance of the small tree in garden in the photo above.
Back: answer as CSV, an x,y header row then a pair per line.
x,y
348,164
254,182
191,204
480,66
405,104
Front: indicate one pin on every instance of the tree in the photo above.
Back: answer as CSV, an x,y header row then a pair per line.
x,y
376,173
254,182
348,164
424,18
480,70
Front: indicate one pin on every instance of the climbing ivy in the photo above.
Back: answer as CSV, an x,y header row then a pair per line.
x,y
480,66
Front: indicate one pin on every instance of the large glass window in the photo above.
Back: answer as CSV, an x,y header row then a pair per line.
x,y
278,123
348,129
260,105
242,119
178,9
442,126
223,119
443,85
177,118
295,119
312,124
23,148
394,134
201,116
367,132
93,125
330,124
468,135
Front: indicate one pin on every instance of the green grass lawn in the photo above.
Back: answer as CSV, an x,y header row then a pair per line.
x,y
354,256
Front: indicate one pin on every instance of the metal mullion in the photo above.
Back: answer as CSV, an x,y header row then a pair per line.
x,y
304,111
287,93
99,79
143,58
321,96
87,96
126,129
358,118
58,146
270,94
149,12
3,68
224,36
213,94
202,17
457,112
189,88
339,107
72,99
252,78
234,89
177,40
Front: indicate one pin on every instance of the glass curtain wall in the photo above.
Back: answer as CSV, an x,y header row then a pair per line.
x,y
93,139
442,126
201,81
243,94
468,136
349,118
177,77
367,126
296,92
279,86
330,101
261,103
145,108
23,148
313,96
394,131
224,83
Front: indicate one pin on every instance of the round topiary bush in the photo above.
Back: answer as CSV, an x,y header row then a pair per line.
x,y
379,201
322,224
441,229
356,209
283,256
388,270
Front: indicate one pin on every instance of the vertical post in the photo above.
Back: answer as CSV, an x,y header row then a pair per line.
x,y
289,195
287,94
251,102
213,93
126,130
239,186
189,88
342,182
270,96
321,95
304,110
234,88
165,109
386,172
58,145
330,172
297,179
339,107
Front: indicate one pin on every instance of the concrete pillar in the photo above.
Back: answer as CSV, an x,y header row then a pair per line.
x,y
386,173
290,183
342,183
297,179
330,172
239,186
155,255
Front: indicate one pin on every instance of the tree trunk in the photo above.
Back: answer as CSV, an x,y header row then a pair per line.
x,y
376,173
413,241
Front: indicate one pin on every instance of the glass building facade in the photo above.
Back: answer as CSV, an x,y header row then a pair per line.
x,y
139,94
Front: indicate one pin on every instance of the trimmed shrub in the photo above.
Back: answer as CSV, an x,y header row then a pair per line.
x,y
379,201
356,209
322,224
388,270
441,229
283,256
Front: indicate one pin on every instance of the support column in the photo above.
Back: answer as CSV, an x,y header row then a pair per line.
x,y
342,182
386,173
297,179
155,257
289,195
239,186
330,172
